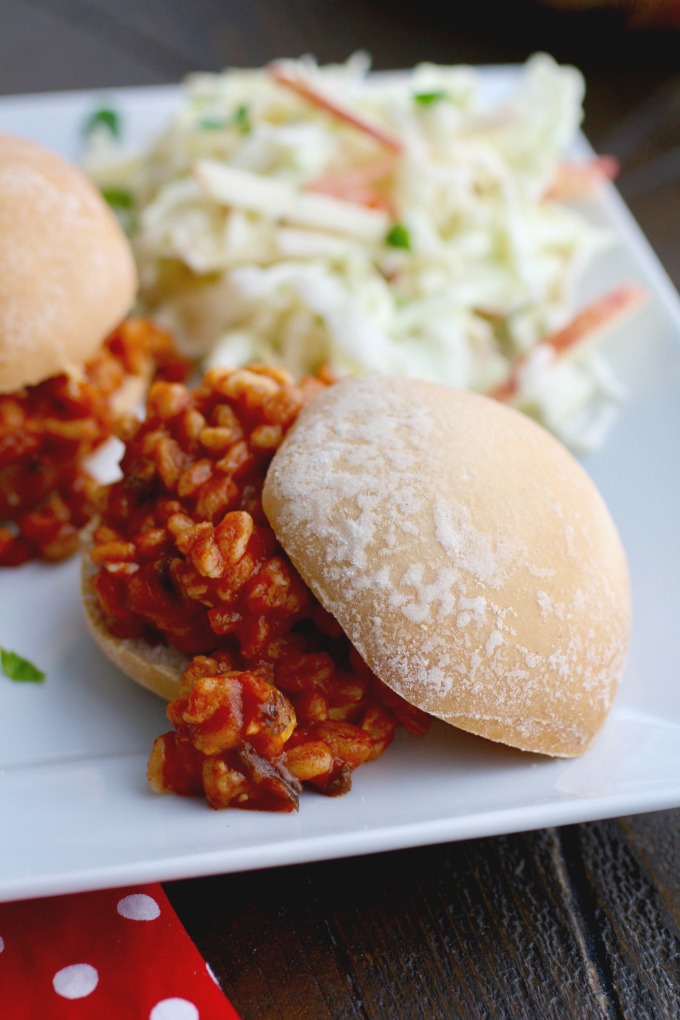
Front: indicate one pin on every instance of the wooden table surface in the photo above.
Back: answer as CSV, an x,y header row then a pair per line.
x,y
581,921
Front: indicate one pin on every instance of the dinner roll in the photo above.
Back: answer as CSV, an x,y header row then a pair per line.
x,y
466,554
67,274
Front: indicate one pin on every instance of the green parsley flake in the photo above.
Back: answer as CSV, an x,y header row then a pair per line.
x,y
105,118
21,670
212,123
240,119
118,198
399,237
428,98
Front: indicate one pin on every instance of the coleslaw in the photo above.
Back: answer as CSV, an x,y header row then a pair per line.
x,y
313,215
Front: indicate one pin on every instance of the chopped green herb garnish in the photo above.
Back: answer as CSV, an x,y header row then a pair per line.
x,y
399,237
428,98
105,118
240,119
212,123
19,669
118,198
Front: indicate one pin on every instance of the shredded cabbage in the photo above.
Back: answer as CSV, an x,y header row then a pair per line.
x,y
269,227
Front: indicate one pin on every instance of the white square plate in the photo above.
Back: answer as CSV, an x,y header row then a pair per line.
x,y
76,812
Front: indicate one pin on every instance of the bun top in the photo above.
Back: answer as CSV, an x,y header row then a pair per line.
x,y
67,275
465,553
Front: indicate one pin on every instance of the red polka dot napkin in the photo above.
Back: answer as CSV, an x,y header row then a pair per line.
x,y
119,954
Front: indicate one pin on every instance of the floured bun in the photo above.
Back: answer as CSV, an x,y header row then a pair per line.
x,y
157,667
67,275
465,553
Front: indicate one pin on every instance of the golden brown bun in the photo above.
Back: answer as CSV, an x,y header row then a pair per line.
x,y
465,553
157,667
67,275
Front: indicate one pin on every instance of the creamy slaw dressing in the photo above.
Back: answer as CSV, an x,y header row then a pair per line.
x,y
263,222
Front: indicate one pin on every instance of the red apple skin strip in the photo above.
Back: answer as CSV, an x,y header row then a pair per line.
x,y
305,89
597,317
355,178
368,197
581,180
572,181
356,185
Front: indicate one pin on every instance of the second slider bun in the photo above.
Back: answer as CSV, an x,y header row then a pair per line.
x,y
67,274
466,554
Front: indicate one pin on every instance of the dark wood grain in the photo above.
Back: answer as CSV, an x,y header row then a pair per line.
x,y
576,922
579,922
634,911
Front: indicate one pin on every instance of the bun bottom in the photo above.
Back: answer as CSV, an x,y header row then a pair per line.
x,y
158,668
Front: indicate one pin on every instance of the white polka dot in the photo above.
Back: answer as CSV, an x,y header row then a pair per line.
x,y
76,981
2,943
174,1009
138,907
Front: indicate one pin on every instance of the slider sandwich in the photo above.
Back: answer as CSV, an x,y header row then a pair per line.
x,y
301,567
70,360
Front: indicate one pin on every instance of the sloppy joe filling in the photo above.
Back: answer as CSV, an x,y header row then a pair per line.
x,y
48,430
274,695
